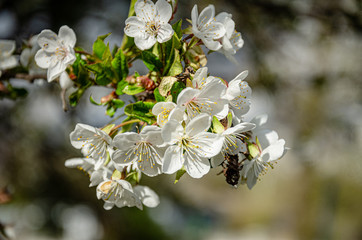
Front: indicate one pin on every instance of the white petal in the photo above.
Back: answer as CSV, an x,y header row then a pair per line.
x,y
215,30
25,57
124,158
217,160
240,128
135,27
164,11
173,160
80,135
7,47
145,43
211,44
154,137
160,106
266,137
148,197
201,123
8,62
42,59
196,166
145,10
194,15
55,70
172,131
164,33
125,141
206,15
186,95
67,35
48,41
65,81
222,17
274,151
260,120
200,77
209,144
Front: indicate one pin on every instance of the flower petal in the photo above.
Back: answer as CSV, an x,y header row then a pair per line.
x,y
217,160
65,81
273,152
206,15
145,10
7,47
55,70
196,166
209,144
173,160
200,78
135,27
148,197
172,131
125,141
42,59
67,35
186,95
200,123
164,33
48,40
211,44
164,11
145,43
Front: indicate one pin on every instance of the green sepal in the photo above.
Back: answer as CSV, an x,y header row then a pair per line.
x,y
217,127
107,129
141,110
116,175
151,61
99,46
133,177
253,150
230,119
179,174
158,96
176,89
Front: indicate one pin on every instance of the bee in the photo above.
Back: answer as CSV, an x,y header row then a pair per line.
x,y
232,169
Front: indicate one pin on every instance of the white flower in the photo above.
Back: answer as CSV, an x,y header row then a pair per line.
x,y
150,25
163,110
231,41
141,149
56,51
28,54
238,94
191,147
94,142
200,79
269,150
232,142
119,193
87,165
207,28
148,197
7,60
205,100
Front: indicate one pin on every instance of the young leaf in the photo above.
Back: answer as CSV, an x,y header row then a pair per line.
x,y
166,85
117,103
177,28
93,101
176,89
176,67
133,89
151,61
120,65
158,96
99,46
120,86
141,110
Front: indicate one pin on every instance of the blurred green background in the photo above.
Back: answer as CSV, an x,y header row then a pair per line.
x,y
305,66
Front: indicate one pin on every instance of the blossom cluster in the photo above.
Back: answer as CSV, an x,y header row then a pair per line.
x,y
184,120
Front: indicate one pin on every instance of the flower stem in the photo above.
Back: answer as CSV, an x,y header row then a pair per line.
x,y
125,123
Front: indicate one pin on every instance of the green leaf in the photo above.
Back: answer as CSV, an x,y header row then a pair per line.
x,y
117,103
179,174
166,85
176,67
151,61
141,110
217,127
75,96
176,89
120,65
99,46
111,110
93,101
158,96
177,28
171,46
120,86
133,89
